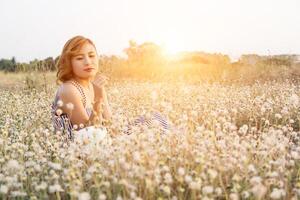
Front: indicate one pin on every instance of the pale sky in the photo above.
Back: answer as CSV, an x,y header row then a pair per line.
x,y
39,28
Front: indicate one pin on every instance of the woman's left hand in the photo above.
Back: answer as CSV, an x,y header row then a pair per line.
x,y
100,81
101,97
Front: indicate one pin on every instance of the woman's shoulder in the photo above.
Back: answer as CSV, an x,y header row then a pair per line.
x,y
66,89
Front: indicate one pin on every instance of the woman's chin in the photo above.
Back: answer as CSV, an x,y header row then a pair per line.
x,y
93,73
90,75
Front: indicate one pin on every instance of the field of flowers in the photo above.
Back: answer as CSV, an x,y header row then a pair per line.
x,y
231,142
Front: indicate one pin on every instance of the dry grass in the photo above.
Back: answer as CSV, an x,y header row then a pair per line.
x,y
235,142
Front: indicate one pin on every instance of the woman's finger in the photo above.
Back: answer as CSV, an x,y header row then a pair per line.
x,y
99,78
102,76
100,82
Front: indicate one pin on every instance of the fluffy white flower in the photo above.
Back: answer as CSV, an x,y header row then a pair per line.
x,y
70,106
55,166
181,171
91,134
212,173
168,178
188,179
194,185
3,189
294,100
278,116
60,103
207,189
259,191
251,168
41,186
243,130
132,195
84,196
18,194
272,174
166,189
119,198
136,156
255,180
218,191
55,188
234,196
75,126
59,111
154,95
245,194
13,165
277,193
102,196
295,155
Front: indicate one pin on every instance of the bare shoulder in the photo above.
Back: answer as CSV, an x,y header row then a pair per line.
x,y
67,89
69,95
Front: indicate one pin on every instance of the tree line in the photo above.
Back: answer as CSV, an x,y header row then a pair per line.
x,y
10,65
148,60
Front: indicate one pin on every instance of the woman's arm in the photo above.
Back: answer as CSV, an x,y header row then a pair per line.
x,y
101,103
73,105
106,107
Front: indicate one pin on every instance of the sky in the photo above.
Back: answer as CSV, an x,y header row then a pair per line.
x,y
39,28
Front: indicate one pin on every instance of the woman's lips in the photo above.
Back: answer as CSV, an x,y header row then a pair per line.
x,y
89,69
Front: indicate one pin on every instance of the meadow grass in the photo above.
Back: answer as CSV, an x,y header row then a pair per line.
x,y
230,142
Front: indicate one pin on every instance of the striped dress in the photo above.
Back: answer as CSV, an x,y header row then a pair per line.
x,y
62,122
155,117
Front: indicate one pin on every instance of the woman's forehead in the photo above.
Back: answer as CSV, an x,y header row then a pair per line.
x,y
86,48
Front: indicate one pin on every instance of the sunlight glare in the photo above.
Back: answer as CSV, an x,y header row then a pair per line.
x,y
172,48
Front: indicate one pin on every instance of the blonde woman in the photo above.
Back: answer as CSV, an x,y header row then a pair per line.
x,y
81,97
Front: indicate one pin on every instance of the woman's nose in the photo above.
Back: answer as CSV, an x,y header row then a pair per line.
x,y
87,60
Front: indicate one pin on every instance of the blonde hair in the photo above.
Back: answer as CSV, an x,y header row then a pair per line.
x,y
64,65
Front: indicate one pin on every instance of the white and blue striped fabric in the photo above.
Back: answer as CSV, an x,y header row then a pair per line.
x,y
62,122
155,117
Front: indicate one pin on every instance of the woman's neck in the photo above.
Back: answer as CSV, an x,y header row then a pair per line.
x,y
83,82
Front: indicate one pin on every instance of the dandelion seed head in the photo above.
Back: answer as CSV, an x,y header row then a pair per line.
x,y
207,189
277,193
3,189
70,106
102,196
84,196
60,103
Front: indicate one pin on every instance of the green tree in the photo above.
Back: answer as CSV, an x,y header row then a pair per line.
x,y
8,65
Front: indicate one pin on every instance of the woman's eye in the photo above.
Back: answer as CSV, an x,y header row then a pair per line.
x,y
79,58
92,56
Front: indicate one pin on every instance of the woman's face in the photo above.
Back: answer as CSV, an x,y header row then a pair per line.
x,y
85,63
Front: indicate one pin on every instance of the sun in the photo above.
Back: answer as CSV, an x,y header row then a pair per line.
x,y
171,44
172,48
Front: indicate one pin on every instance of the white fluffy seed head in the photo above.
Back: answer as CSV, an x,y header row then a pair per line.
x,y
70,106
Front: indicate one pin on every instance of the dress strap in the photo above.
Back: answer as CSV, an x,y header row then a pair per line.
x,y
56,97
54,102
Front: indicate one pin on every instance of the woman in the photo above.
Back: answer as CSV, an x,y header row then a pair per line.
x,y
81,98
